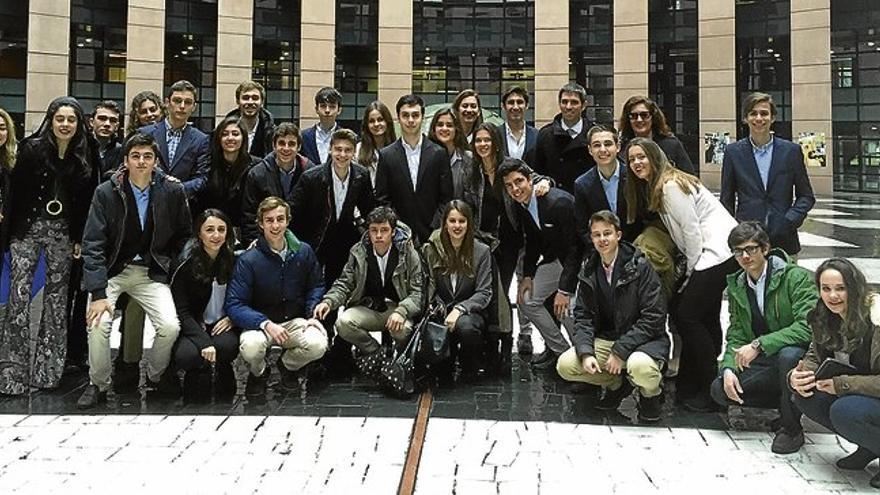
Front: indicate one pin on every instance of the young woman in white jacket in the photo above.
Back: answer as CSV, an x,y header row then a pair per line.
x,y
699,226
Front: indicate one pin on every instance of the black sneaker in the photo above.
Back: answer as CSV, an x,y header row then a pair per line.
x,y
126,377
700,404
612,398
91,397
524,345
289,378
256,385
649,408
197,384
856,461
875,481
545,360
168,385
224,380
786,442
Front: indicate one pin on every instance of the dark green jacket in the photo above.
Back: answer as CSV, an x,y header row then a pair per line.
x,y
791,294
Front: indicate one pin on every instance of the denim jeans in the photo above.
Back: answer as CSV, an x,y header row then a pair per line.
x,y
854,417
765,384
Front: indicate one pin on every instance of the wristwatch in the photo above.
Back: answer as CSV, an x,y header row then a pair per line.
x,y
756,345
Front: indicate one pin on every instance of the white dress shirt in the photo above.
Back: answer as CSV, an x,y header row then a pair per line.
x,y
382,260
413,157
322,140
515,149
340,189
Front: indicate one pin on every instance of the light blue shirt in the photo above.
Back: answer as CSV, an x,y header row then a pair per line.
x,y
533,209
142,200
763,157
610,186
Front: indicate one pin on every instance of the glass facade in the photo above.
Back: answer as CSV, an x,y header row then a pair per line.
x,y
673,68
276,55
855,95
357,57
191,53
591,59
97,51
13,59
763,57
486,45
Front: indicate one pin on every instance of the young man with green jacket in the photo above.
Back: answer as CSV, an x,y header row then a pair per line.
x,y
769,299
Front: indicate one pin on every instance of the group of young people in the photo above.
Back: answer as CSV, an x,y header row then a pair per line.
x,y
262,235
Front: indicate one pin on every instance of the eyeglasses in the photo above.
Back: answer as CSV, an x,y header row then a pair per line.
x,y
749,250
640,115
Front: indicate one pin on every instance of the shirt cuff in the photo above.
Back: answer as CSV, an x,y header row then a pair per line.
x,y
264,324
563,292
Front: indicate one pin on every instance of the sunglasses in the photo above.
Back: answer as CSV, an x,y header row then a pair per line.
x,y
640,115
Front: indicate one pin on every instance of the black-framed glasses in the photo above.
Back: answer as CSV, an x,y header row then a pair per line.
x,y
639,115
749,250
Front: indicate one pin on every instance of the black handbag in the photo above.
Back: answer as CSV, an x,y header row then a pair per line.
x,y
434,341
397,374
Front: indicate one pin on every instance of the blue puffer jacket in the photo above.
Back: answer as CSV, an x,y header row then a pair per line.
x,y
265,287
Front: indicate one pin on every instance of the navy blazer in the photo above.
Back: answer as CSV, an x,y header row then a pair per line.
x,y
554,240
589,198
309,147
783,205
192,160
531,139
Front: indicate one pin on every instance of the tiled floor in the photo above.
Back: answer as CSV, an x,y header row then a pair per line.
x,y
526,434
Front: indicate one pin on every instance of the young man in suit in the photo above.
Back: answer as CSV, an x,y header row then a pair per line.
x,y
760,173
316,139
250,97
413,175
519,137
184,150
562,150
552,257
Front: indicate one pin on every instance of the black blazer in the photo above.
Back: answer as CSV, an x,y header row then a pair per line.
x,y
531,139
555,240
589,198
783,205
422,208
314,208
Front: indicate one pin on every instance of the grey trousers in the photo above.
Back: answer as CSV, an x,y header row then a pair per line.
x,y
544,285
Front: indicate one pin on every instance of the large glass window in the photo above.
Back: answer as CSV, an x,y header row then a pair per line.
x,y
591,59
855,95
13,59
357,57
276,55
763,57
673,68
191,52
97,51
486,45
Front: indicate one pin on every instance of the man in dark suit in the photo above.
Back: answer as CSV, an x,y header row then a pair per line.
x,y
413,174
601,187
316,139
552,257
764,178
184,150
561,150
519,137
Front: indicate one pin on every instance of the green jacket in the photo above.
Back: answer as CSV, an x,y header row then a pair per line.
x,y
348,289
791,294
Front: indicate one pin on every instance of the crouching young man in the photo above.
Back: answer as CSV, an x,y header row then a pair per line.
x,y
380,287
620,336
138,222
274,287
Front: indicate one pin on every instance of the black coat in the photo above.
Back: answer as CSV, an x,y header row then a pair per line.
x,y
105,229
262,144
589,198
314,210
638,307
560,156
112,159
262,181
422,208
223,191
555,240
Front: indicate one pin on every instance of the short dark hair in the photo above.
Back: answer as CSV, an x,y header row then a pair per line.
x,y
180,86
518,90
140,139
286,129
750,230
344,135
382,214
511,165
606,216
410,100
753,99
107,105
596,129
575,88
328,95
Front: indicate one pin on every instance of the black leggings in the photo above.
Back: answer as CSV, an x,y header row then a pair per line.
x,y
188,356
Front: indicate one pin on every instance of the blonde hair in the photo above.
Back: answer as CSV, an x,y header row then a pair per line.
x,y
8,150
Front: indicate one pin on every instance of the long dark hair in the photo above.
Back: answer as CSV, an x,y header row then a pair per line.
x,y
368,141
466,93
497,152
204,269
845,333
223,174
459,141
459,261
136,102
659,127
81,147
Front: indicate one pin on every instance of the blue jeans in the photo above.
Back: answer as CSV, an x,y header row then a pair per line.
x,y
765,384
854,417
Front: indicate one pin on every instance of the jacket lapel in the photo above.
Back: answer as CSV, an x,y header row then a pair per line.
x,y
185,140
423,155
752,168
404,162
162,139
776,162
